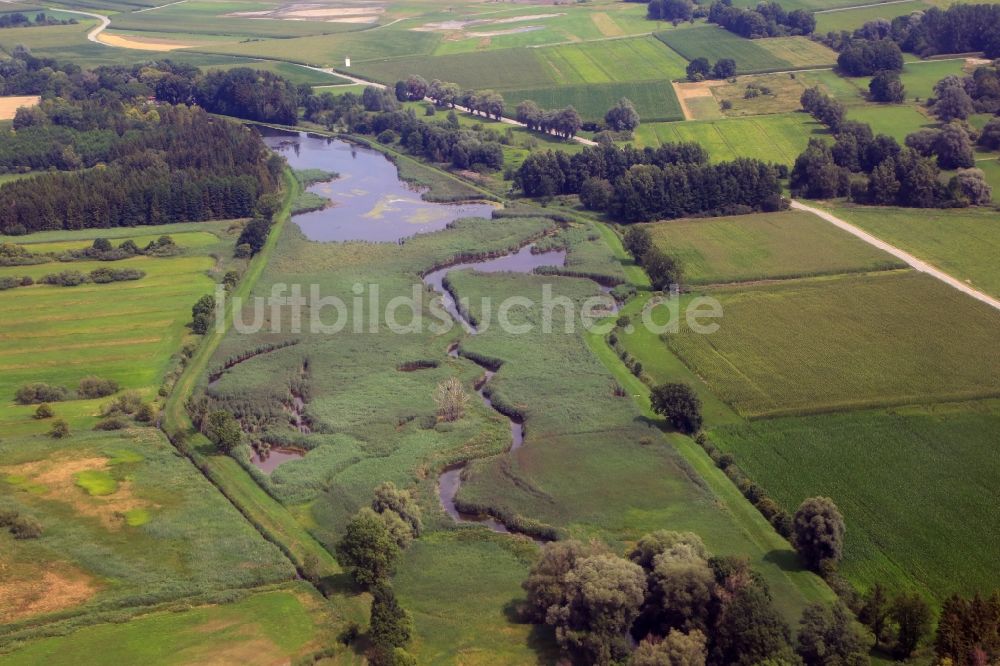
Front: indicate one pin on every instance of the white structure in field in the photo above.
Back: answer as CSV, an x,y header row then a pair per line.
x,y
347,62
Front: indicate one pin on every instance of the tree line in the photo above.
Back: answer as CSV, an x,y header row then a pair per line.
x,y
674,180
877,170
767,19
22,20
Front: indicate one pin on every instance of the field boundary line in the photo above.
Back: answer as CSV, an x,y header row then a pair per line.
x,y
916,264
874,4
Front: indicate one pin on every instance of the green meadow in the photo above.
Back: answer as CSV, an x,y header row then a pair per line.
x,y
963,243
774,138
765,246
281,624
852,19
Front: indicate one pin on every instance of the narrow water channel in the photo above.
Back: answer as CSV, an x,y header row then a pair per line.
x,y
521,261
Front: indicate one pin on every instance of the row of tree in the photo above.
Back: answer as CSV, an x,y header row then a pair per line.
x,y
767,19
961,28
22,20
561,122
700,69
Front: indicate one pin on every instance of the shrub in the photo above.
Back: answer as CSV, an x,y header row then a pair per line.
x,y
38,392
111,423
44,411
21,527
146,413
59,430
95,387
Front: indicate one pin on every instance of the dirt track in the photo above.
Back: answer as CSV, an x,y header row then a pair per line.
x,y
914,263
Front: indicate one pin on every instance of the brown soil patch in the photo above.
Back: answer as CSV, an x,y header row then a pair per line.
x,y
10,105
141,43
57,476
28,590
694,90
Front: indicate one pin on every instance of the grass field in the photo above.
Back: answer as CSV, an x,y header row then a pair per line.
x,y
267,627
893,120
909,482
851,19
774,138
131,341
330,50
963,243
127,523
764,246
807,345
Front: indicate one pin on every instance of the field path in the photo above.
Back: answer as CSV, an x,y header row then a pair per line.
x,y
915,263
847,9
92,35
365,82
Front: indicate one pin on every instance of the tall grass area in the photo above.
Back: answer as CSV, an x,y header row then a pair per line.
x,y
776,138
909,481
963,243
826,344
765,246
272,626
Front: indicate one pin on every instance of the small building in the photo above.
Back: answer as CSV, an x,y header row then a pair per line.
x,y
347,62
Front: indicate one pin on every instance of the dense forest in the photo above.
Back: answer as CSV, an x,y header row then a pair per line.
x,y
115,157
674,180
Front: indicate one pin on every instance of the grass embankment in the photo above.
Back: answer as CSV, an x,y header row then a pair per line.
x,y
272,519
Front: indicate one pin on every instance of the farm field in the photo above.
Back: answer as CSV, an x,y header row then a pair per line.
x,y
903,531
803,346
764,246
963,243
619,60
653,100
751,55
773,138
894,120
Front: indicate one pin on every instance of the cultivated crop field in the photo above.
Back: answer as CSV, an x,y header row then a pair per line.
x,y
653,100
910,482
765,246
805,345
751,55
636,59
